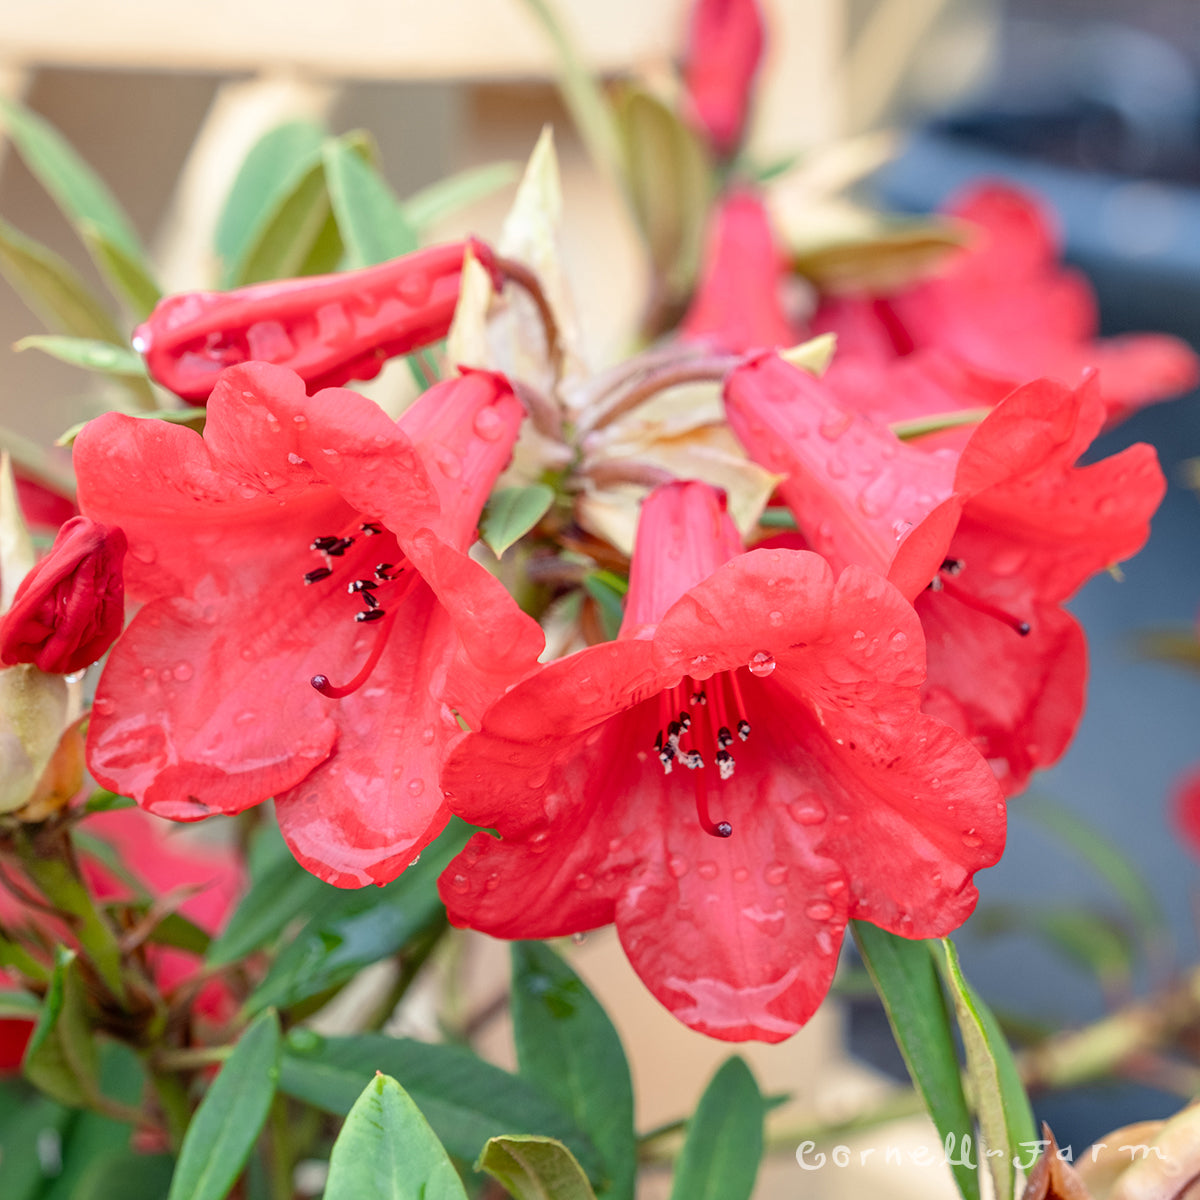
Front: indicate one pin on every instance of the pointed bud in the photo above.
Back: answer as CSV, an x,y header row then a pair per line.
x,y
724,47
70,608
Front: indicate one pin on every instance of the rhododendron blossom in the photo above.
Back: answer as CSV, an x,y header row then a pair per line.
x,y
69,609
743,770
738,304
1006,306
724,47
309,618
988,543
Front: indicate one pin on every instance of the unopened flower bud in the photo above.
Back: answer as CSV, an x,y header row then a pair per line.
x,y
70,608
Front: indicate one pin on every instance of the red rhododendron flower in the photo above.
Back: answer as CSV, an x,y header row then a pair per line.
x,y
304,539
724,47
70,608
1005,305
988,543
737,305
1186,809
328,328
741,772
41,506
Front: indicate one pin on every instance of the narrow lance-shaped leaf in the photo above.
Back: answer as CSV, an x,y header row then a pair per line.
x,y
82,195
386,1151
89,353
907,982
512,512
128,275
567,1044
447,196
226,1125
998,1096
466,1100
535,1168
370,220
268,172
724,1142
61,1059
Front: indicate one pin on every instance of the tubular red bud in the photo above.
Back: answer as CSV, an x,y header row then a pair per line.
x,y
328,328
725,44
70,608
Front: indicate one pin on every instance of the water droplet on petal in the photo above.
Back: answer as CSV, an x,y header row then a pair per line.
x,y
807,812
183,671
143,552
707,869
776,874
835,886
899,639
740,875
775,617
427,736
460,883
579,938
103,706
583,881
416,787
489,424
761,664
295,459
677,866
824,942
971,841
820,910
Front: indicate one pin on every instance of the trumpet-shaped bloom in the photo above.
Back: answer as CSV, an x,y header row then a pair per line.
x,y
1006,306
70,608
737,304
988,543
724,47
309,619
743,770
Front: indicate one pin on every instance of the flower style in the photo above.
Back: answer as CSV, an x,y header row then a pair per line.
x,y
743,770
724,48
1006,306
310,619
328,328
70,608
987,543
737,305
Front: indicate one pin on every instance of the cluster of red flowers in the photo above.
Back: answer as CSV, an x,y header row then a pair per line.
x,y
819,728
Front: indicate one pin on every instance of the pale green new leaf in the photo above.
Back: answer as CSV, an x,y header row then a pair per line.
x,y
535,1168
512,512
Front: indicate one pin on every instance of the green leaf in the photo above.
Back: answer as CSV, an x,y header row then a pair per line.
x,y
88,353
611,600
1090,940
920,427
29,1126
177,931
102,800
511,513
583,96
282,893
226,1125
128,275
670,179
386,1151
724,1142
60,1059
907,982
122,1173
52,290
1107,859
997,1094
567,1044
82,195
19,1006
354,929
466,1100
448,196
535,1168
371,222
271,169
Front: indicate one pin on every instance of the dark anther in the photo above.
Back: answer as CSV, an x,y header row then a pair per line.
x,y
382,569
339,547
320,682
370,528
673,731
369,600
1023,628
935,584
361,585
723,829
658,742
724,737
952,566
370,614
317,575
743,730
323,543
699,698
685,720
693,759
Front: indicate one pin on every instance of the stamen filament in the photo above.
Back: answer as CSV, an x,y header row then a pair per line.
x,y
963,596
